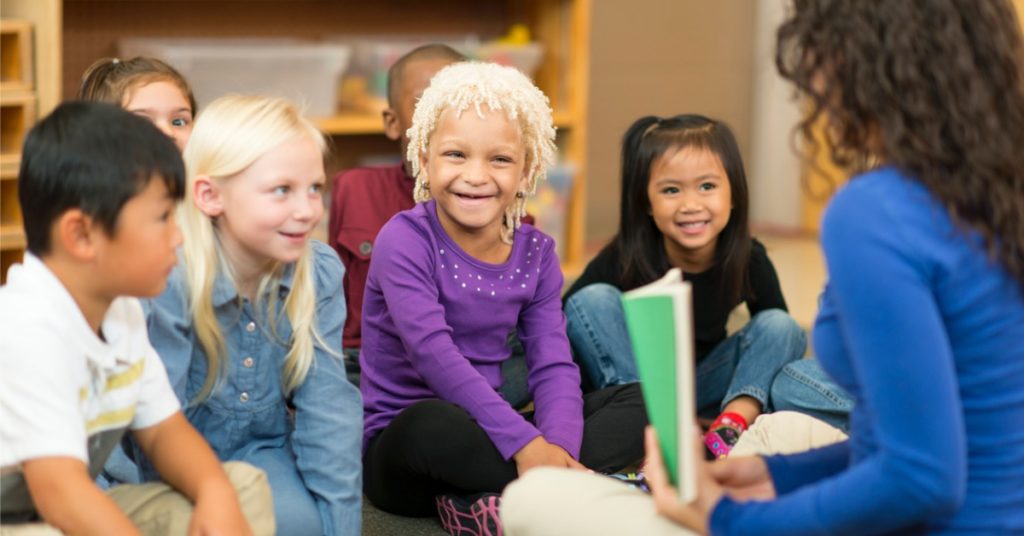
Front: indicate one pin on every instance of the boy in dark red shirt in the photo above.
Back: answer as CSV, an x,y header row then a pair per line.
x,y
364,199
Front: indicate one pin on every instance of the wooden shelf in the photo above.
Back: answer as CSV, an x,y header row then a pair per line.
x,y
355,123
17,114
9,164
16,73
12,237
350,124
30,64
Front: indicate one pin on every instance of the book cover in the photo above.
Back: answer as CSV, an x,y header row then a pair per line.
x,y
659,317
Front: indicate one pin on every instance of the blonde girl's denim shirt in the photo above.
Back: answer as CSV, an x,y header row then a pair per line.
x,y
312,457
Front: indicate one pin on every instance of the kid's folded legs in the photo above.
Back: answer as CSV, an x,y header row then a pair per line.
x,y
434,448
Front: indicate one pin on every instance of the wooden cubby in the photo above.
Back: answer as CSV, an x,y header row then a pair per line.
x,y
16,69
92,28
17,113
29,87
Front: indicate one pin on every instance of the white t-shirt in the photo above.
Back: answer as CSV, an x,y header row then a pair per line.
x,y
63,390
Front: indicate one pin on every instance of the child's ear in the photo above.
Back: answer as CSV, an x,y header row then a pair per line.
x,y
74,232
423,162
207,195
391,127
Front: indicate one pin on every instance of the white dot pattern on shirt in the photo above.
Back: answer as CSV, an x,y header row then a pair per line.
x,y
479,277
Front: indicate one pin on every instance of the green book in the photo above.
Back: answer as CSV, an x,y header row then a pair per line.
x,y
659,317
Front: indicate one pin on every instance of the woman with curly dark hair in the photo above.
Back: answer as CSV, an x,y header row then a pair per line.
x,y
922,320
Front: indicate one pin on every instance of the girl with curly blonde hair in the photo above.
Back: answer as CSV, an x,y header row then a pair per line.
x,y
449,280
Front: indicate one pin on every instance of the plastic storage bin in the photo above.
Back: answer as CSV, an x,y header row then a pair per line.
x,y
526,57
305,72
549,206
373,56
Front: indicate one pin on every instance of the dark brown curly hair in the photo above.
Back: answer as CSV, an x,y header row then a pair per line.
x,y
933,87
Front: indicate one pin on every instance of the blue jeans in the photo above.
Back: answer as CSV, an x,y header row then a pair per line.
x,y
743,364
803,386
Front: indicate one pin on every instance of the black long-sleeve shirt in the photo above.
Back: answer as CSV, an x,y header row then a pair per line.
x,y
711,307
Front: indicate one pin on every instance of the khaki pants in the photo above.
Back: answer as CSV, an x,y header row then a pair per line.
x,y
157,509
563,502
785,432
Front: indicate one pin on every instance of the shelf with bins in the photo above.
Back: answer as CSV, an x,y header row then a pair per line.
x,y
93,28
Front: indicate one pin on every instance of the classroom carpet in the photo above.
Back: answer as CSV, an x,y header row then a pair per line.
x,y
378,523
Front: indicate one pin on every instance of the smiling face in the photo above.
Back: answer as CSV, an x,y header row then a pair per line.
x,y
474,166
691,201
164,104
267,212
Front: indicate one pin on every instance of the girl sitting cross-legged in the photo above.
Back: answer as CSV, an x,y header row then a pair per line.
x,y
450,278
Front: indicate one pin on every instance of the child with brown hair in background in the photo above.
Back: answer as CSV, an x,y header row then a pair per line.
x,y
147,87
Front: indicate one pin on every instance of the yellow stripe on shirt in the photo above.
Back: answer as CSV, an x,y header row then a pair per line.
x,y
111,419
127,377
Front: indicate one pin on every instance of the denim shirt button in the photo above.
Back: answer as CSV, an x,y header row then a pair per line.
x,y
244,397
250,327
247,362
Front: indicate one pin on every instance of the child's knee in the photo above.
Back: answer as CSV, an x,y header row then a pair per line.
x,y
254,496
595,295
523,498
776,320
780,324
429,418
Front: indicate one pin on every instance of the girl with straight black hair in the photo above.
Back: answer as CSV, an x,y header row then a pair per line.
x,y
685,205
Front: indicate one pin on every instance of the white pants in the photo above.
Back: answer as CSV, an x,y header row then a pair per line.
x,y
564,502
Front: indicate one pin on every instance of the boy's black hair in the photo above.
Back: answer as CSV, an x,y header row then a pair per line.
x,y
426,52
94,157
640,243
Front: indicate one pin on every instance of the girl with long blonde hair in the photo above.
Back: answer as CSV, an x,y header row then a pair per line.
x,y
249,327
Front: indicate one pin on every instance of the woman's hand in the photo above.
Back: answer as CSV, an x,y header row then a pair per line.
x,y
745,478
538,452
695,515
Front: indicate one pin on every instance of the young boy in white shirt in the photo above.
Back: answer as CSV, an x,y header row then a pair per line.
x,y
98,188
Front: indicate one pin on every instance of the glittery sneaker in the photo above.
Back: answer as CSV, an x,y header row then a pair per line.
x,y
475,515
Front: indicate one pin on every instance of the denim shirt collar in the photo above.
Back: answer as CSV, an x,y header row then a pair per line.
x,y
224,289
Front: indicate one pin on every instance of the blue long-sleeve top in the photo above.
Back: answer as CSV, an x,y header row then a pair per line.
x,y
926,332
247,412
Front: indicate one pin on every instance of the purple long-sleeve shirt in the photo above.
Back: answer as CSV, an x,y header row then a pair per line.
x,y
436,323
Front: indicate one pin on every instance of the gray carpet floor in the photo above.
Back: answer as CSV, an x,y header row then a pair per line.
x,y
377,523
